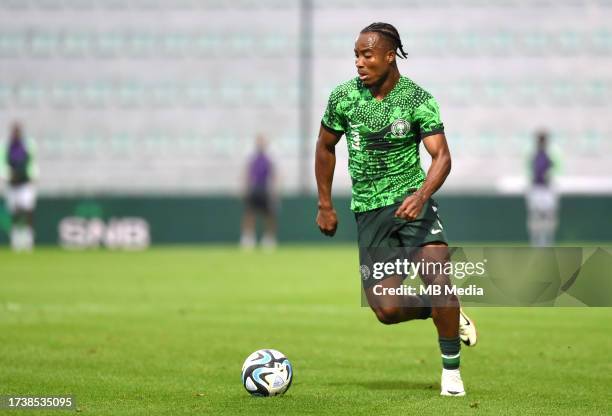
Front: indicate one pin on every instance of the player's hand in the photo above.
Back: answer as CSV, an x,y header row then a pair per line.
x,y
411,207
327,221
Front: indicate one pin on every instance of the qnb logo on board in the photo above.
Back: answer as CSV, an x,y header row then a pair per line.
x,y
129,233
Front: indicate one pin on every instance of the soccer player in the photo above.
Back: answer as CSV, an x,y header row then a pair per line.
x,y
18,162
259,198
542,204
385,116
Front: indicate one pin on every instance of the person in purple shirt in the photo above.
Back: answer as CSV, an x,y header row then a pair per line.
x,y
542,202
259,198
18,168
542,163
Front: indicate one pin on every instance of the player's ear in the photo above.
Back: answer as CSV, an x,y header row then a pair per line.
x,y
390,57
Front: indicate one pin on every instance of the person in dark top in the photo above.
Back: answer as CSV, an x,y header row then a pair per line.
x,y
542,202
19,169
259,198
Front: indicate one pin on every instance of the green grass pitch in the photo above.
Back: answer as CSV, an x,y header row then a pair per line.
x,y
166,331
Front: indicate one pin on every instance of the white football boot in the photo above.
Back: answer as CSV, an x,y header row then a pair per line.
x,y
451,383
467,330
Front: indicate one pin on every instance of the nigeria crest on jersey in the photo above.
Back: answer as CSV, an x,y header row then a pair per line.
x,y
400,128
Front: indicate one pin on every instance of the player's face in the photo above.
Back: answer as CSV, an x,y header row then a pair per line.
x,y
373,58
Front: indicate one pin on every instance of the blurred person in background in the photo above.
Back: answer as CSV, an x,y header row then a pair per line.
x,y
260,198
541,198
18,167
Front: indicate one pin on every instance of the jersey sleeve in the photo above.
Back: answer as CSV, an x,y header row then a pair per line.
x,y
333,118
428,117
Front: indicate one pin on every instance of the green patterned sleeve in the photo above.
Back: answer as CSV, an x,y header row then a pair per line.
x,y
427,116
333,118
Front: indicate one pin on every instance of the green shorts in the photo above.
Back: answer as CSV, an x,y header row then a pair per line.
x,y
381,229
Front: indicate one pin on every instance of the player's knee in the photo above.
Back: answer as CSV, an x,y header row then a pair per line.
x,y
388,315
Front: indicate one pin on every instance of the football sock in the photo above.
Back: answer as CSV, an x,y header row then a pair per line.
x,y
28,238
19,237
15,238
247,240
268,240
450,349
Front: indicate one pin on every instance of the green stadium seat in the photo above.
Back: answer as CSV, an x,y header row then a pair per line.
x,y
597,92
535,43
563,93
95,95
129,94
468,43
76,45
275,44
494,91
207,45
197,94
63,94
12,45
44,45
5,95
29,94
109,45
501,43
601,42
140,44
241,44
570,42
230,93
174,44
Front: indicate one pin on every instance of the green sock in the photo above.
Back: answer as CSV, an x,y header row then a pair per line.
x,y
450,349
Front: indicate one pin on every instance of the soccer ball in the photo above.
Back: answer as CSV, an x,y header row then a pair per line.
x,y
267,373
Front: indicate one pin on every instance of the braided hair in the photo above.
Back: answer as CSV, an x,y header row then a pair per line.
x,y
390,32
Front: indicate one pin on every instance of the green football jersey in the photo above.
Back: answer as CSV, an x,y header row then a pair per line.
x,y
383,138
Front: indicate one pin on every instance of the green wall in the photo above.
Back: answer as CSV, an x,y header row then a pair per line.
x,y
217,218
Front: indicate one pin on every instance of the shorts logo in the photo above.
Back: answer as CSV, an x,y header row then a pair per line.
x,y
400,128
365,272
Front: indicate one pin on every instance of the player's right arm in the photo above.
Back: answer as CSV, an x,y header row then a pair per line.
x,y
325,163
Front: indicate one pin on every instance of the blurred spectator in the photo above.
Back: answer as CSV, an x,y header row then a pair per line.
x,y
542,201
18,166
260,198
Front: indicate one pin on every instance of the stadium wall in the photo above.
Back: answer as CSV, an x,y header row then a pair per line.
x,y
216,219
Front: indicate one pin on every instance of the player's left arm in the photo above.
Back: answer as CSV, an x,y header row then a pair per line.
x,y
437,147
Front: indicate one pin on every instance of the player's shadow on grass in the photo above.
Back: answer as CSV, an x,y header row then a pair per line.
x,y
390,385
